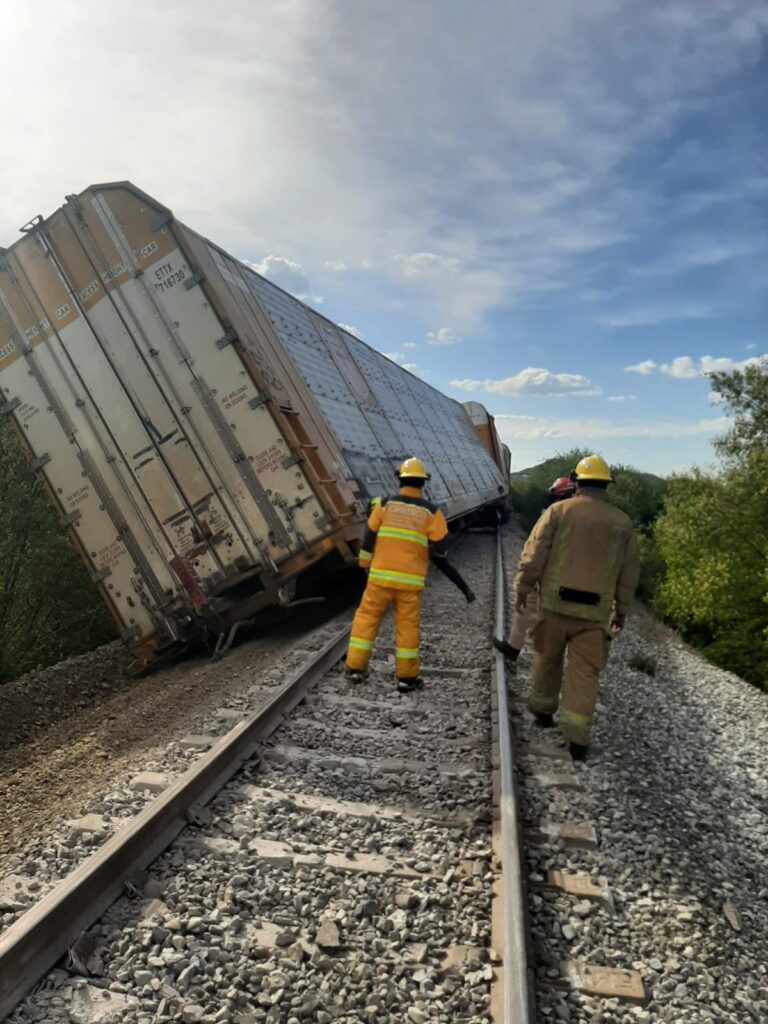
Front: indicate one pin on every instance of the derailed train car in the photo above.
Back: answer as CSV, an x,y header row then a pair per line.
x,y
485,428
206,438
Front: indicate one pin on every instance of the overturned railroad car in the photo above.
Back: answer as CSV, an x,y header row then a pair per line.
x,y
207,439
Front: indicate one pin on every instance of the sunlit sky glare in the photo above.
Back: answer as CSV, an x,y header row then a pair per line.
x,y
558,209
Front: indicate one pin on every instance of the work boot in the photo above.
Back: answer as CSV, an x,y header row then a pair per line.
x,y
544,719
509,652
355,675
409,685
578,751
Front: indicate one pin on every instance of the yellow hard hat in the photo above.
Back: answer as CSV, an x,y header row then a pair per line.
x,y
592,467
413,468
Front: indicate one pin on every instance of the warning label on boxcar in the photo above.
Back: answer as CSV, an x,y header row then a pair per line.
x,y
79,496
235,397
109,556
269,460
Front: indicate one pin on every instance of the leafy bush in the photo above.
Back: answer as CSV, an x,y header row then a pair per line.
x,y
49,609
713,539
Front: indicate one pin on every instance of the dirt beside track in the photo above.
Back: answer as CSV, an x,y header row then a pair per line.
x,y
68,732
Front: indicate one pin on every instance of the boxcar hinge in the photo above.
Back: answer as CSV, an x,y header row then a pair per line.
x,y
100,574
226,339
292,460
258,401
70,518
161,220
196,278
10,405
41,461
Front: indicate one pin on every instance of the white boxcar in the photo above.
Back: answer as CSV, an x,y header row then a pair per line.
x,y
206,437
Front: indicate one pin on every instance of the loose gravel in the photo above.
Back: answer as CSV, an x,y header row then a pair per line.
x,y
676,788
93,729
244,921
263,913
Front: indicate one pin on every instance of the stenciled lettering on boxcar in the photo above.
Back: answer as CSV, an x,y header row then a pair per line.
x,y
109,556
166,277
269,460
79,496
235,397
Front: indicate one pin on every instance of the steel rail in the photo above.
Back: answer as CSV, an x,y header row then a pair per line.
x,y
34,944
516,1002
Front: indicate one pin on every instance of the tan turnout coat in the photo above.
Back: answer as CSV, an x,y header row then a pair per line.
x,y
583,555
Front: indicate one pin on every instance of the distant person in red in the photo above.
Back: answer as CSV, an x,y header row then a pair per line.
x,y
561,489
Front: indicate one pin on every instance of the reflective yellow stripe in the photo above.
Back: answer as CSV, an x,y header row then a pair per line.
x,y
574,717
400,534
365,556
359,644
392,576
406,652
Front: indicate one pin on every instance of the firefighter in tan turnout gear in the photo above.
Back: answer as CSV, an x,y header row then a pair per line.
x,y
404,534
561,489
582,557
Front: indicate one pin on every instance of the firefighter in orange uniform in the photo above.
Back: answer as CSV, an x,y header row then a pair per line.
x,y
404,534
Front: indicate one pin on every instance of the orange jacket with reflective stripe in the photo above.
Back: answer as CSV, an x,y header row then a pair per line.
x,y
404,527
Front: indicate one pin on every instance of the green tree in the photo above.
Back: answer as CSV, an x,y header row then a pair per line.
x,y
49,609
744,393
713,539
713,536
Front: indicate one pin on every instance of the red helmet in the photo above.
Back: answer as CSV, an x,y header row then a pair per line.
x,y
561,488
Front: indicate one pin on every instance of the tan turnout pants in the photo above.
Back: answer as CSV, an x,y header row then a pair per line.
x,y
521,621
588,645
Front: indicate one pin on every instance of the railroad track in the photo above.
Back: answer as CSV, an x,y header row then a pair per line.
x,y
345,854
414,856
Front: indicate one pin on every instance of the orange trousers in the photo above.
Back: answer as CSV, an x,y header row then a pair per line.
x,y
365,626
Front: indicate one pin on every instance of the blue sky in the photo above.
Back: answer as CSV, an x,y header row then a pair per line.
x,y
522,201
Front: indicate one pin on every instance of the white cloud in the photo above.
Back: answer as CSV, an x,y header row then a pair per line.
x,y
410,344
681,367
578,430
651,315
443,336
701,252
622,398
646,367
510,163
687,368
711,364
750,346
532,381
286,274
353,330
427,264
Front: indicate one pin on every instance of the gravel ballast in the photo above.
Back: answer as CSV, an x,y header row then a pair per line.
x,y
676,788
277,914
260,916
